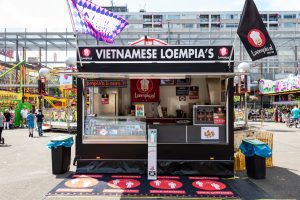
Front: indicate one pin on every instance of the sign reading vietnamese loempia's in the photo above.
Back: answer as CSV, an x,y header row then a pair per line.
x,y
155,53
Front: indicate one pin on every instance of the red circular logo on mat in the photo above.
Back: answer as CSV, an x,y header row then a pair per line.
x,y
86,52
256,38
209,185
223,51
123,183
81,182
144,85
166,184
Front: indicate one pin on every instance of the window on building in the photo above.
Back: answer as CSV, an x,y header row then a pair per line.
x,y
231,16
273,26
204,18
215,18
264,17
147,25
188,25
157,18
231,25
289,25
289,16
157,25
215,26
204,26
147,18
273,17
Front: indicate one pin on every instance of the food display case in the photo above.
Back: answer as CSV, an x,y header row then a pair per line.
x,y
122,129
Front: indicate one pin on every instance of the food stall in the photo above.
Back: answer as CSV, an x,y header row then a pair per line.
x,y
184,93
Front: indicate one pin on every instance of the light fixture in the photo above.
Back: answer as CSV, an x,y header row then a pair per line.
x,y
243,67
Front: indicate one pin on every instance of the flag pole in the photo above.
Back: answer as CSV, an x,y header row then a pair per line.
x,y
232,50
75,32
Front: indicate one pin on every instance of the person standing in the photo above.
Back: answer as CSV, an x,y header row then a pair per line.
x,y
12,117
40,119
276,114
295,113
7,119
24,113
30,121
2,120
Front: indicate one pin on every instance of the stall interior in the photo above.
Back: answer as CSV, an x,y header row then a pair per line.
x,y
188,109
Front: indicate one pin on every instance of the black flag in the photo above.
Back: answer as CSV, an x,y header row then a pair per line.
x,y
254,34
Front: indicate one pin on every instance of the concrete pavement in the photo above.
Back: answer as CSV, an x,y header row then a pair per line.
x,y
26,173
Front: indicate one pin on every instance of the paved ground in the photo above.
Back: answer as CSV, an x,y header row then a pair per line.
x,y
25,165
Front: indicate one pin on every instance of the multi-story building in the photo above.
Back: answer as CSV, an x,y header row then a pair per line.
x,y
176,28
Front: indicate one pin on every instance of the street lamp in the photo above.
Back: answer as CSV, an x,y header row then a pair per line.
x,y
245,68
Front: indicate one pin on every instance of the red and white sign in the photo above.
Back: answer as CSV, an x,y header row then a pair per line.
x,y
166,184
86,52
256,38
223,51
123,183
209,185
81,182
144,90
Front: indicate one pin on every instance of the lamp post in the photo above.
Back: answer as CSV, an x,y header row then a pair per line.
x,y
70,66
243,68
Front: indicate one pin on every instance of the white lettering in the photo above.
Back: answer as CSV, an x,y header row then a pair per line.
x,y
183,53
169,53
175,53
210,53
201,54
99,53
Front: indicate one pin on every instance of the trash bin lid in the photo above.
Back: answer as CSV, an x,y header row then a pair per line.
x,y
61,138
254,142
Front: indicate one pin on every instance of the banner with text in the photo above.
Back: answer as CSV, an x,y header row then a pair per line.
x,y
119,54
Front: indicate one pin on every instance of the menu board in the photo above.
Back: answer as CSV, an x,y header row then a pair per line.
x,y
185,81
209,115
182,91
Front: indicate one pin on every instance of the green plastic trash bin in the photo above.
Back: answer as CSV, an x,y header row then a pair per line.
x,y
61,153
256,153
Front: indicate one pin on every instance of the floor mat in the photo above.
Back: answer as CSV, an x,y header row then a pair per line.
x,y
112,185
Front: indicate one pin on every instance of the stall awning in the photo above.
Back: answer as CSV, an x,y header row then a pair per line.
x,y
92,75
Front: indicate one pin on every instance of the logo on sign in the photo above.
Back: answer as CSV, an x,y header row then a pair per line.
x,y
144,85
166,184
256,38
223,51
86,53
123,183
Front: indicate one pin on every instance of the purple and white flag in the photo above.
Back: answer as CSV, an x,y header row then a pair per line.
x,y
90,18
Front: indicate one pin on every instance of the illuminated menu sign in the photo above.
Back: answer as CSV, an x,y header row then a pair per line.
x,y
107,83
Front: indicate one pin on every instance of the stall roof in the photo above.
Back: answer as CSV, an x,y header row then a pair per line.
x,y
93,75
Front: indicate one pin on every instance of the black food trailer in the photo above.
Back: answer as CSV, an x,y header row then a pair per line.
x,y
185,93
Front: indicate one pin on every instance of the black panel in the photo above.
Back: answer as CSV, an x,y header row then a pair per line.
x,y
170,133
164,167
155,67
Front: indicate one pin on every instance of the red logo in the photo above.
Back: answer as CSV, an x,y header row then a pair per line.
x,y
144,85
166,184
123,183
256,38
209,185
223,51
86,52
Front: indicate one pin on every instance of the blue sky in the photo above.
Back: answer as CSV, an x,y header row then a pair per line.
x,y
54,14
